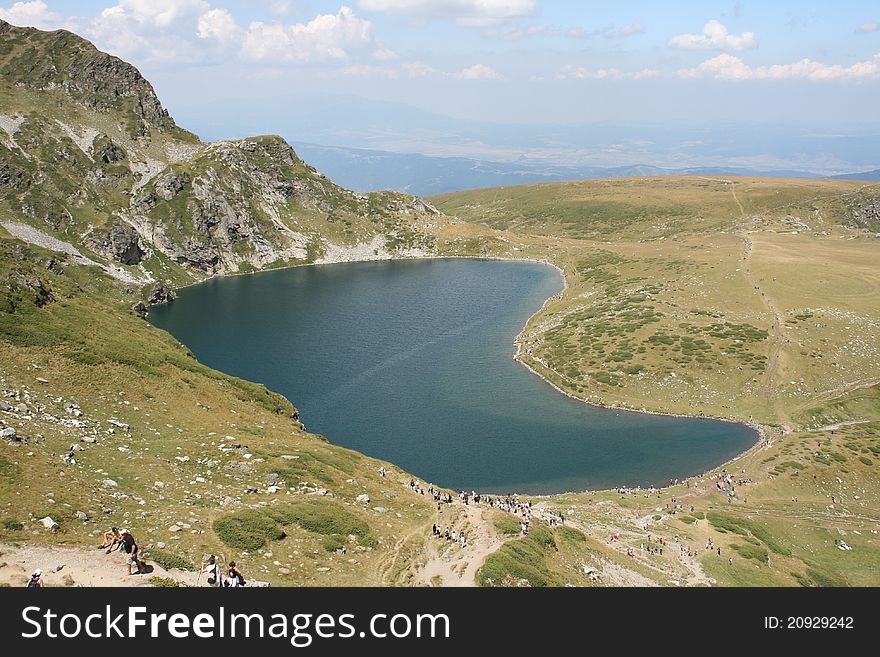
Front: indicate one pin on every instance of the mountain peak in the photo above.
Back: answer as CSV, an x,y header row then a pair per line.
x,y
61,60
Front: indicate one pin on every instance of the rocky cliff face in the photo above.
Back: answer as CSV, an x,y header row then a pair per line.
x,y
89,155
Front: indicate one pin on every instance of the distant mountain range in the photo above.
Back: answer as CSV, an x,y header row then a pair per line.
x,y
870,176
364,170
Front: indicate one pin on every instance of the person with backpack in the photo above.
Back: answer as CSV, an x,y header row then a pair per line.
x,y
36,580
213,570
130,547
234,578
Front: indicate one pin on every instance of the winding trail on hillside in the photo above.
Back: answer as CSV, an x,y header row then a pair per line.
x,y
457,566
771,381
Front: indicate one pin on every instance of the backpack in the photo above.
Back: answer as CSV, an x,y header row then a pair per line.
x,y
33,583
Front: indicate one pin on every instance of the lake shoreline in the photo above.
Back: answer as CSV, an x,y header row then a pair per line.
x,y
759,430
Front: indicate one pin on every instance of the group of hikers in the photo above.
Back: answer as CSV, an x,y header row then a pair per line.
x,y
119,539
122,539
234,578
449,534
509,503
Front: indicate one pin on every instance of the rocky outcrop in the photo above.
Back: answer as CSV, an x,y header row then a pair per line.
x,y
161,294
867,216
121,243
109,153
24,287
90,77
170,185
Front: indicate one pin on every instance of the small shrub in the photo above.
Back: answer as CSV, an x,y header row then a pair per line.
x,y
168,560
12,525
163,582
326,518
248,530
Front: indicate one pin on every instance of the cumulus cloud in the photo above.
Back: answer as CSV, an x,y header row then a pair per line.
x,y
729,67
326,37
160,32
32,14
465,12
715,36
866,28
570,72
478,72
220,25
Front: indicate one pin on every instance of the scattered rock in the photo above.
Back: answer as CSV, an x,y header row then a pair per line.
x,y
161,294
175,528
48,523
109,483
82,515
363,498
170,185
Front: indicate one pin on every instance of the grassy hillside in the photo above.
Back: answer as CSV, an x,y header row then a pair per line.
x,y
732,298
752,299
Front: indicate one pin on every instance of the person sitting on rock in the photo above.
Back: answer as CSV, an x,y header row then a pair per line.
x,y
234,578
112,539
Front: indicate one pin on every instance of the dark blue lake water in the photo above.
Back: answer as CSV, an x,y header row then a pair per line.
x,y
411,361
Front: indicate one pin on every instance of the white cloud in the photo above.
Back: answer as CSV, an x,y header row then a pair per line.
x,y
218,24
472,13
31,14
326,37
478,72
570,72
715,36
162,13
865,28
728,67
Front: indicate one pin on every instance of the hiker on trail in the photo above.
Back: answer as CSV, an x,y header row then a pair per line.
x,y
130,547
212,568
112,539
234,578
36,580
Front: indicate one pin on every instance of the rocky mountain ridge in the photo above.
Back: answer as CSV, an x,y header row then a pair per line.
x,y
90,157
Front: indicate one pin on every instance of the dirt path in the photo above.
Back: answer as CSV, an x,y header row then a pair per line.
x,y
79,567
776,357
448,564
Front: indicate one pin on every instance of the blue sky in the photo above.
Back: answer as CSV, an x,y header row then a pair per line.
x,y
503,61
